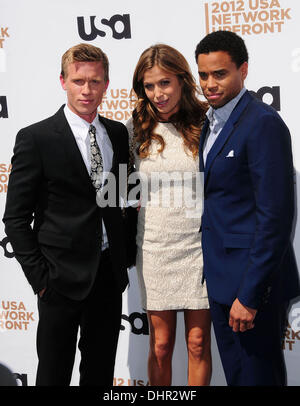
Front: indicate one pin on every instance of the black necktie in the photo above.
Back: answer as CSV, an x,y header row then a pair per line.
x,y
96,159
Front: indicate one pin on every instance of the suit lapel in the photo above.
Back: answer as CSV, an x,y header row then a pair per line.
x,y
113,139
72,152
201,144
226,132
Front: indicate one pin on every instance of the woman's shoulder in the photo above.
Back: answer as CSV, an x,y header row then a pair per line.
x,y
131,134
130,128
129,124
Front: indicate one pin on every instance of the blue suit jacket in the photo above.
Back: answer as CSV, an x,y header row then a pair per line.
x,y
249,208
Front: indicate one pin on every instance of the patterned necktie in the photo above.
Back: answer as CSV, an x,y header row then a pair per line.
x,y
96,159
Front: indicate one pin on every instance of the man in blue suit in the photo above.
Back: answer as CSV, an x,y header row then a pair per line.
x,y
249,265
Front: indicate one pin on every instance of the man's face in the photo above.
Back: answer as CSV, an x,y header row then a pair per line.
x,y
220,79
85,86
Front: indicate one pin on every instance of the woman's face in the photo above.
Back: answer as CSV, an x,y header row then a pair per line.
x,y
163,90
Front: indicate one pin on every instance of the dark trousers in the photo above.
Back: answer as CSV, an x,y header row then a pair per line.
x,y
254,357
97,318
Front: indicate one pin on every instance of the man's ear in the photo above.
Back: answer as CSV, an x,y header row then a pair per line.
x,y
244,70
62,82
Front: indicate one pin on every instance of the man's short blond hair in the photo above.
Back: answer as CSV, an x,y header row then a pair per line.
x,y
84,53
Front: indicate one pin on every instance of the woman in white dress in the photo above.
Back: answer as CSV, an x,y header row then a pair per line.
x,y
164,133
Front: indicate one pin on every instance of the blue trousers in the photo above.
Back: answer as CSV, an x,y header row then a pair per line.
x,y
254,357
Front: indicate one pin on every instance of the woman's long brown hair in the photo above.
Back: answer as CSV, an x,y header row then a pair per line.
x,y
190,116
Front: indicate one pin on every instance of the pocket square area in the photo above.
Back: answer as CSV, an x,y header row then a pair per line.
x,y
230,154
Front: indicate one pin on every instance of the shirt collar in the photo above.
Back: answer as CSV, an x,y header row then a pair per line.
x,y
222,114
79,126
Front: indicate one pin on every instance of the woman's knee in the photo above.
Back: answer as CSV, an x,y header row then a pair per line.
x,y
162,333
198,345
162,348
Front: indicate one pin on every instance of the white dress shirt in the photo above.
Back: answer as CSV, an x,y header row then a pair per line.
x,y
80,129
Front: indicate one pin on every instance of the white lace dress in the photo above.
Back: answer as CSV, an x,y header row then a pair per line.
x,y
169,255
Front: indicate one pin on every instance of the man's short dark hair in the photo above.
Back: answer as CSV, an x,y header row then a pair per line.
x,y
226,41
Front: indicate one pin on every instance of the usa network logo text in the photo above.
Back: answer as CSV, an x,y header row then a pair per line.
x,y
3,107
269,95
119,25
3,36
246,17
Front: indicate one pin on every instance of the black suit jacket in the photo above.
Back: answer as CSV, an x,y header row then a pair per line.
x,y
50,186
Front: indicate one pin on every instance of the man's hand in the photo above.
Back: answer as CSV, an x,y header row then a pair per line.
x,y
241,317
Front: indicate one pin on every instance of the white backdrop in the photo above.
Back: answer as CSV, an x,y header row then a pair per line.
x,y
33,36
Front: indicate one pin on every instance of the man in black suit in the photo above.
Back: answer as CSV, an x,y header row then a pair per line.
x,y
73,254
